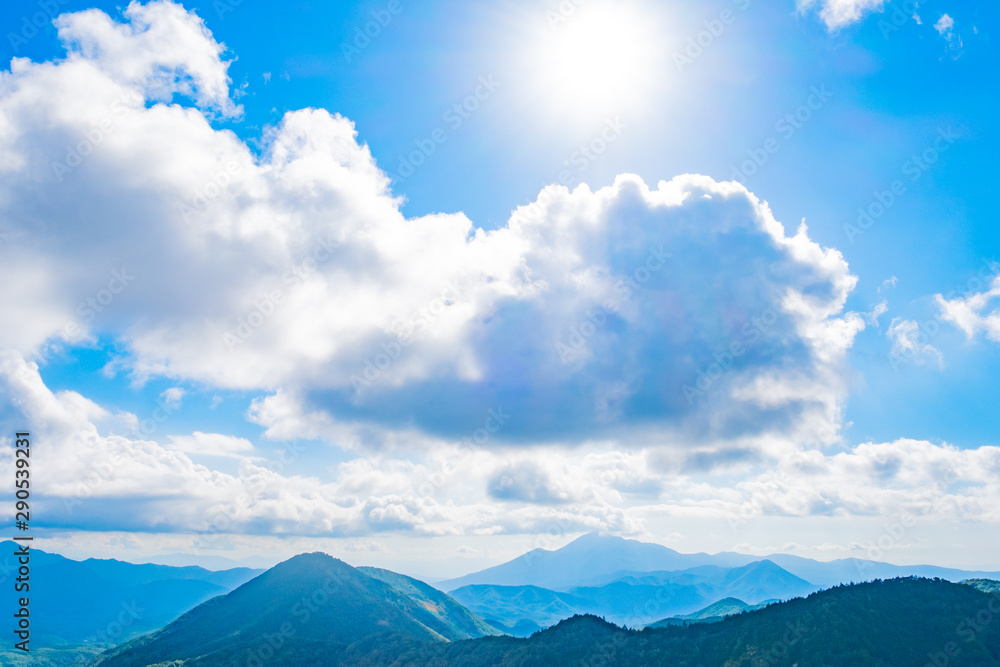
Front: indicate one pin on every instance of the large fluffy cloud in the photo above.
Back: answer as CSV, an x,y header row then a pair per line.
x,y
683,311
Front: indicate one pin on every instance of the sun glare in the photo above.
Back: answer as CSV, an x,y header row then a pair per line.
x,y
596,59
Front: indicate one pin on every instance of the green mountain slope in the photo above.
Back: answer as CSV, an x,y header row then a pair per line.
x,y
308,610
459,622
522,610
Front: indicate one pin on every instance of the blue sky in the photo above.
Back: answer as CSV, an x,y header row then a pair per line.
x,y
462,114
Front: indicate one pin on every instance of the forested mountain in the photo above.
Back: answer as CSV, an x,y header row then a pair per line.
x,y
307,610
985,585
462,622
901,622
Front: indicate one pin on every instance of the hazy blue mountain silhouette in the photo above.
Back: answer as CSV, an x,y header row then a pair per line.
x,y
109,600
635,599
585,561
596,560
712,613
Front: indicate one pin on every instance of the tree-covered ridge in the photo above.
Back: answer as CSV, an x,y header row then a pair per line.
x,y
304,610
712,613
891,623
985,585
882,623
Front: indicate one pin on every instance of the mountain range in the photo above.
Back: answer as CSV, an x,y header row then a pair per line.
x,y
634,583
595,559
632,600
159,614
364,621
712,613
110,601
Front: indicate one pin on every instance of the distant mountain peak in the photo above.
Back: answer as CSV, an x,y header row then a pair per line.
x,y
594,537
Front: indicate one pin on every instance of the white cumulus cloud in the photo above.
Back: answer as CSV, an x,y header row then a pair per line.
x,y
841,13
211,444
910,343
682,306
975,313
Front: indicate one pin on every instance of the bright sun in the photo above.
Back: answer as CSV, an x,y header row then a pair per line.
x,y
597,59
